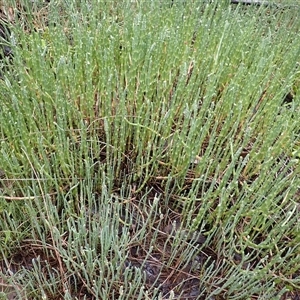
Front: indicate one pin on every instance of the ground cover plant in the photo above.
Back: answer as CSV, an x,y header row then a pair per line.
x,y
150,150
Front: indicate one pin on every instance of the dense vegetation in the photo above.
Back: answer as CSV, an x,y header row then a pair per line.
x,y
150,151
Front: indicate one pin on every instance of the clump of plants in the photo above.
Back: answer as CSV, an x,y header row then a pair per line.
x,y
150,150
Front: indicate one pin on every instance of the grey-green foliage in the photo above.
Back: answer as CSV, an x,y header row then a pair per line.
x,y
115,98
